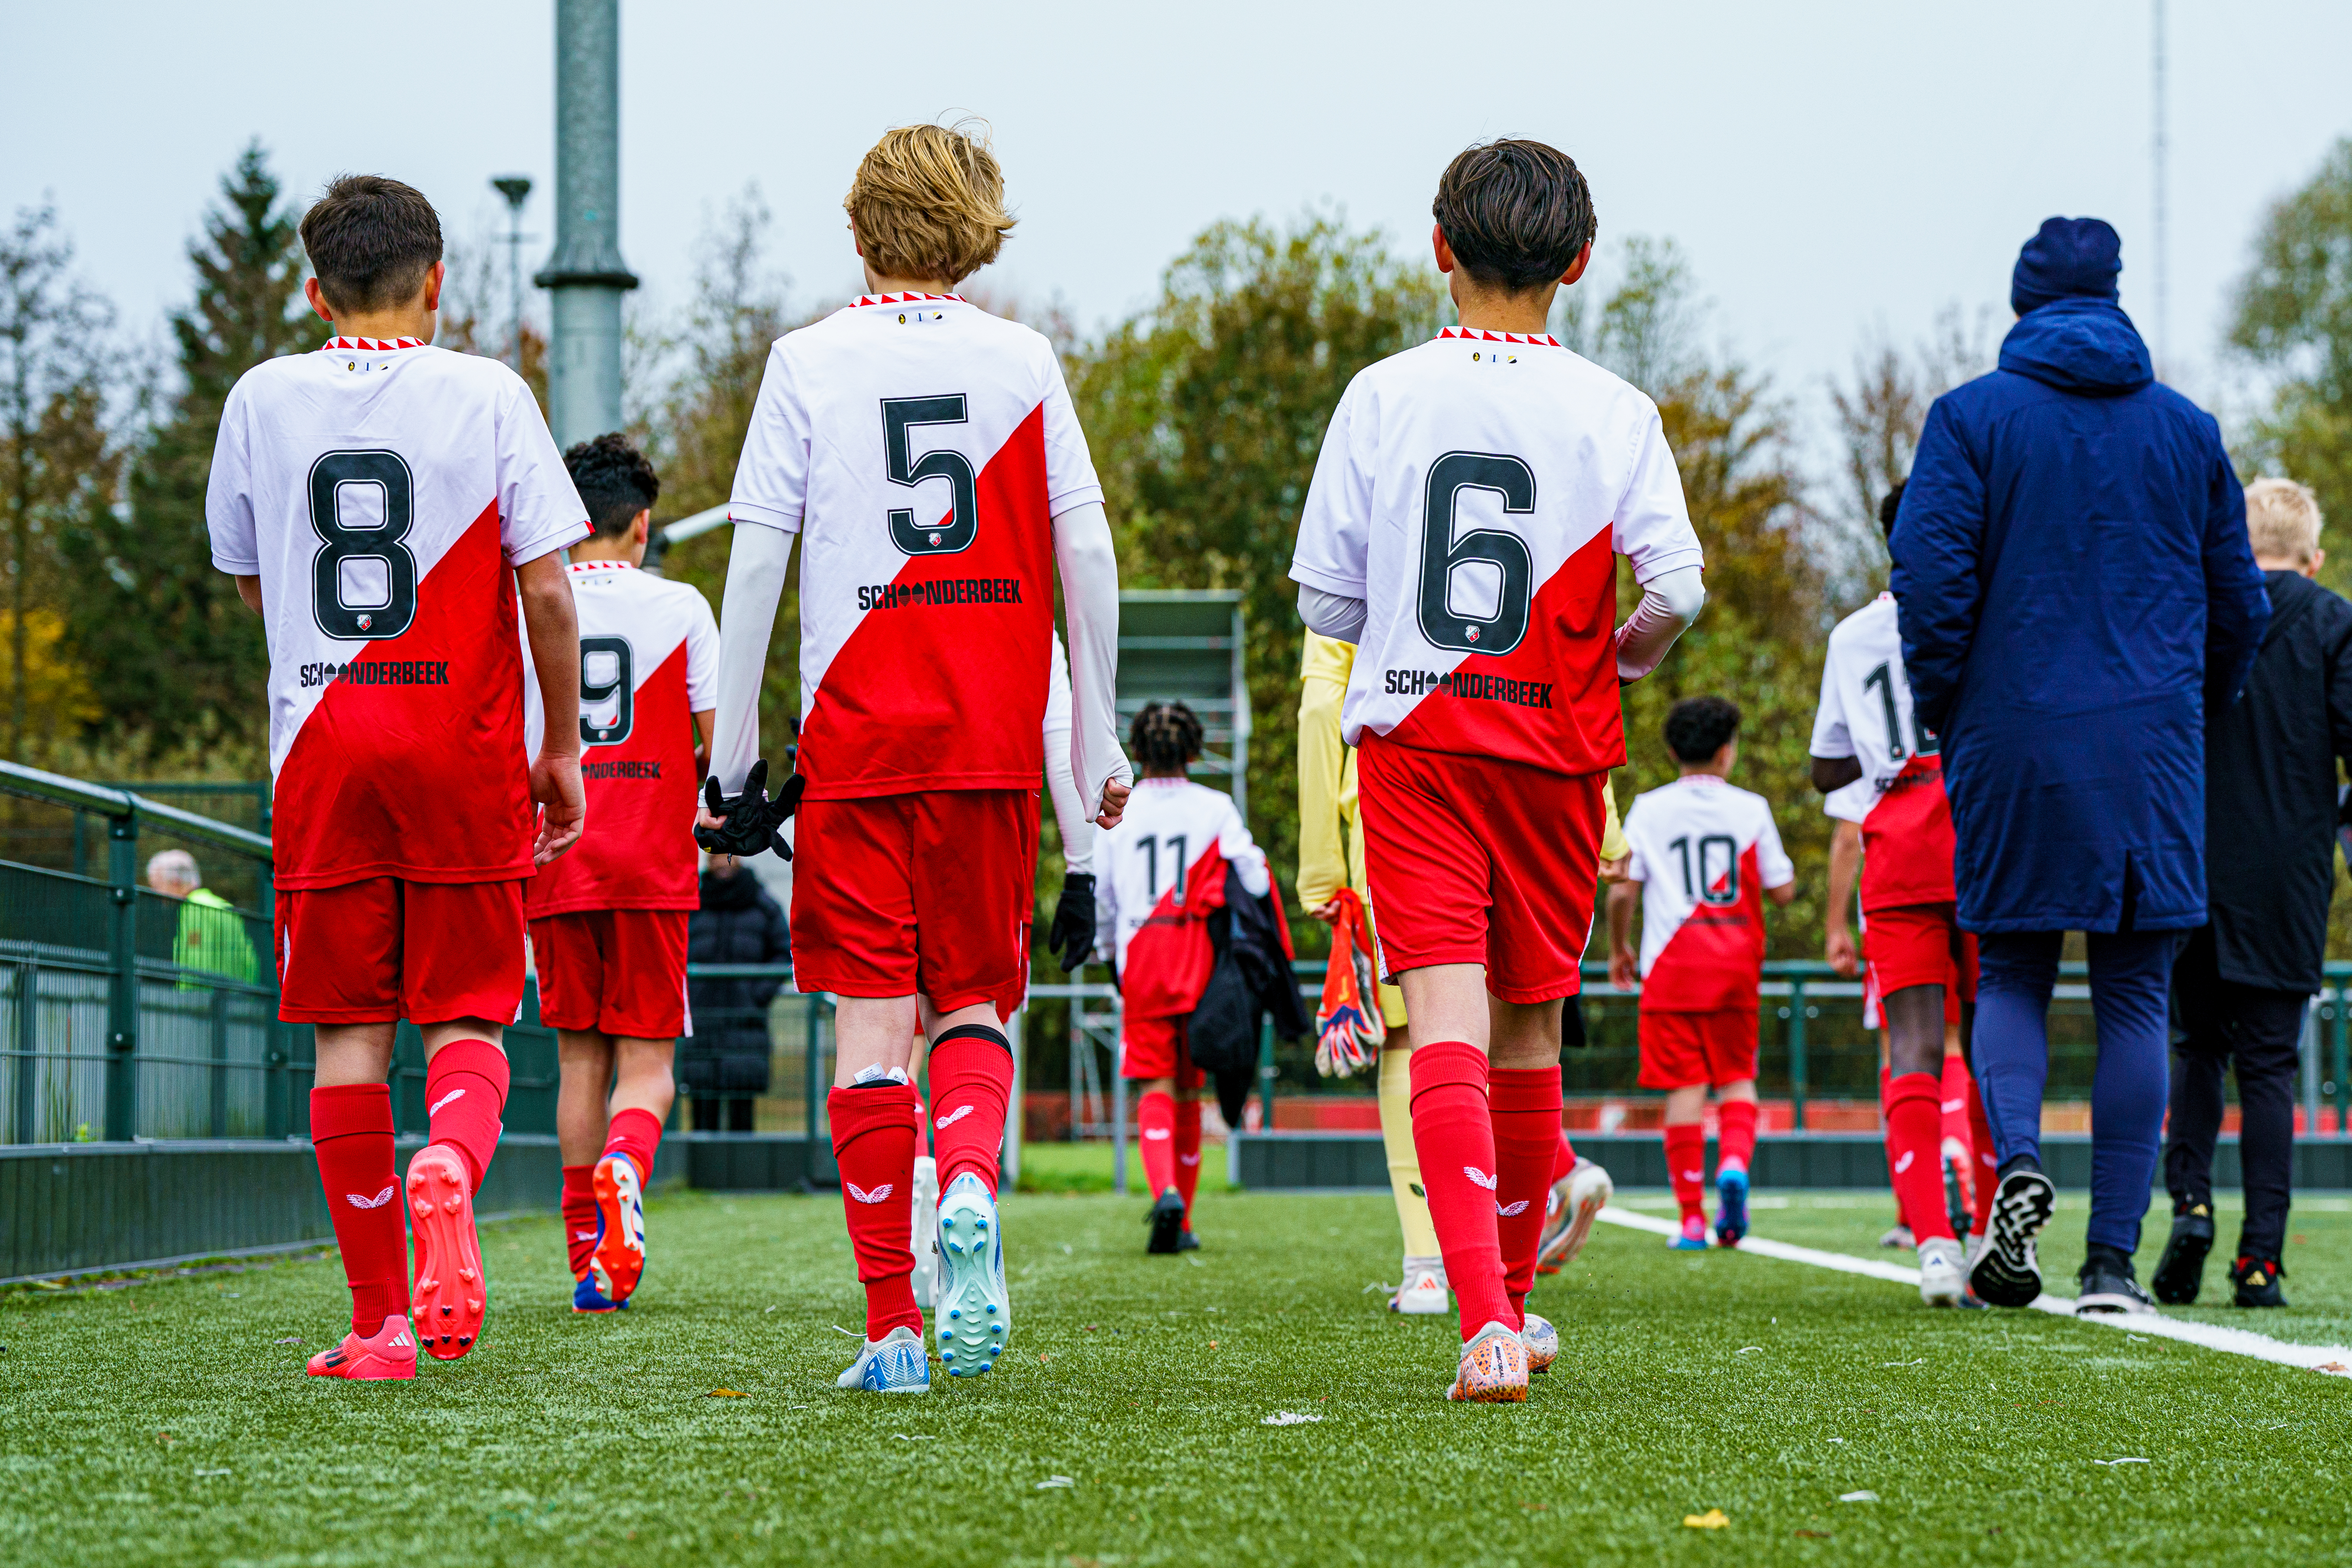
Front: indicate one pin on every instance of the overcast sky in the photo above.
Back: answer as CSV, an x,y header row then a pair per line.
x,y
1829,168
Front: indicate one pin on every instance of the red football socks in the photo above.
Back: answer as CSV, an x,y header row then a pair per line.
x,y
1187,1154
1155,1136
636,1133
579,1218
1523,1105
971,1084
1564,1159
1687,1166
1987,1163
1735,1134
465,1091
1915,1143
351,1131
874,1129
1454,1137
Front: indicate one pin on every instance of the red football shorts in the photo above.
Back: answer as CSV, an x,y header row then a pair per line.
x,y
1478,860
1682,1049
1920,944
1158,1047
928,892
617,972
381,950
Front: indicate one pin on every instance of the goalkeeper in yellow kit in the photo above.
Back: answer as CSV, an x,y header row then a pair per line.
x,y
1331,862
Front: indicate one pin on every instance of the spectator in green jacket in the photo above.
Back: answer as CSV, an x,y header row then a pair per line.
x,y
211,936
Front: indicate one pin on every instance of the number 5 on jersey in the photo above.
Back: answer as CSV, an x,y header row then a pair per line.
x,y
899,416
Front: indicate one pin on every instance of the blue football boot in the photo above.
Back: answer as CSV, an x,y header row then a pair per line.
x,y
894,1363
974,1317
1730,1206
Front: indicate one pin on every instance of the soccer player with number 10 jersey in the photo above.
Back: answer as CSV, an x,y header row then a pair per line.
x,y
1462,529
927,454
386,506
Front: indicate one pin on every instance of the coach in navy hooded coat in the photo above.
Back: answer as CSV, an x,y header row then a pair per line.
x,y
2075,592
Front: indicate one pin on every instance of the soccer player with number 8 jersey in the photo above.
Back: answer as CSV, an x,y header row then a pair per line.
x,y
1462,529
927,454
386,506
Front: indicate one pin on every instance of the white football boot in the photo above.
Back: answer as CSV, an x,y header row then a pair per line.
x,y
894,1363
1943,1272
1424,1292
927,1230
974,1317
1576,1201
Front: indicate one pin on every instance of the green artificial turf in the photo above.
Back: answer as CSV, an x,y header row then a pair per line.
x,y
167,1422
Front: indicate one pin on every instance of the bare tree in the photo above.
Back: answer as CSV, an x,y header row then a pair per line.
x,y
1879,412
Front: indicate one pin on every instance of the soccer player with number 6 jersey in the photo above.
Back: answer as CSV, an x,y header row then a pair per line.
x,y
386,507
927,454
1462,529
608,920
1705,857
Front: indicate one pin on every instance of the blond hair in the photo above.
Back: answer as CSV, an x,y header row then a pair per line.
x,y
929,201
2282,520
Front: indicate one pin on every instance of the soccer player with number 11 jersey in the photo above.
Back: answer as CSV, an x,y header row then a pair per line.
x,y
927,454
386,506
1462,529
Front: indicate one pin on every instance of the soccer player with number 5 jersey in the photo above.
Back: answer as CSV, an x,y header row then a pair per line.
x,y
386,507
1462,529
608,920
927,454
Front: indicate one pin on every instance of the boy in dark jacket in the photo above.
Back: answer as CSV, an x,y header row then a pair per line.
x,y
2244,983
723,1065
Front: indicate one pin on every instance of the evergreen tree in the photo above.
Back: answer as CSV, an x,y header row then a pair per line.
x,y
172,651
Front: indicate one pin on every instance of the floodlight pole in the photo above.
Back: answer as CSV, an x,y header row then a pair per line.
x,y
585,276
516,188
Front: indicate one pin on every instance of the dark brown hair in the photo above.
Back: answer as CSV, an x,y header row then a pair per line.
x,y
615,482
1699,727
1165,736
370,241
1516,213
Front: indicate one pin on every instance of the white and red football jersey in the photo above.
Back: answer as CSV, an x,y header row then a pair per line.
x,y
1704,851
1866,714
920,447
384,491
648,663
1474,491
1169,828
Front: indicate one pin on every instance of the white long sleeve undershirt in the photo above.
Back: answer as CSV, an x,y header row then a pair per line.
x,y
1670,601
1089,569
747,618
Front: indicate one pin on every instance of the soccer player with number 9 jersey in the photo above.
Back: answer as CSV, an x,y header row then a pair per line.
x,y
386,506
927,456
1463,528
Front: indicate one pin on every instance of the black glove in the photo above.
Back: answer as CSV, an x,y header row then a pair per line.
x,y
1071,938
752,822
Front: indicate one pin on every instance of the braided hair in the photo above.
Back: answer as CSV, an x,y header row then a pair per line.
x,y
1164,738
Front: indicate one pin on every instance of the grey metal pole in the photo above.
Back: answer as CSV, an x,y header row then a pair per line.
x,y
515,189
585,276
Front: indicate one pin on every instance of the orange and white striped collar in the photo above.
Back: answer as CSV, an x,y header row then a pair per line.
x,y
1481,335
599,566
370,345
865,300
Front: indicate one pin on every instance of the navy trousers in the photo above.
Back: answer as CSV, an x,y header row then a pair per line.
x,y
2131,974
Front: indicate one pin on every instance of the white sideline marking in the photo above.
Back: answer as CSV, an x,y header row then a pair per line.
x,y
2213,1336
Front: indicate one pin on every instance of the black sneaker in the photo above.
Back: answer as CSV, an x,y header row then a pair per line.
x,y
2180,1272
1188,1242
2257,1279
2006,1272
1167,1222
2106,1284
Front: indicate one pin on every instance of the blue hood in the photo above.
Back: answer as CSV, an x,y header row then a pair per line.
x,y
2080,345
